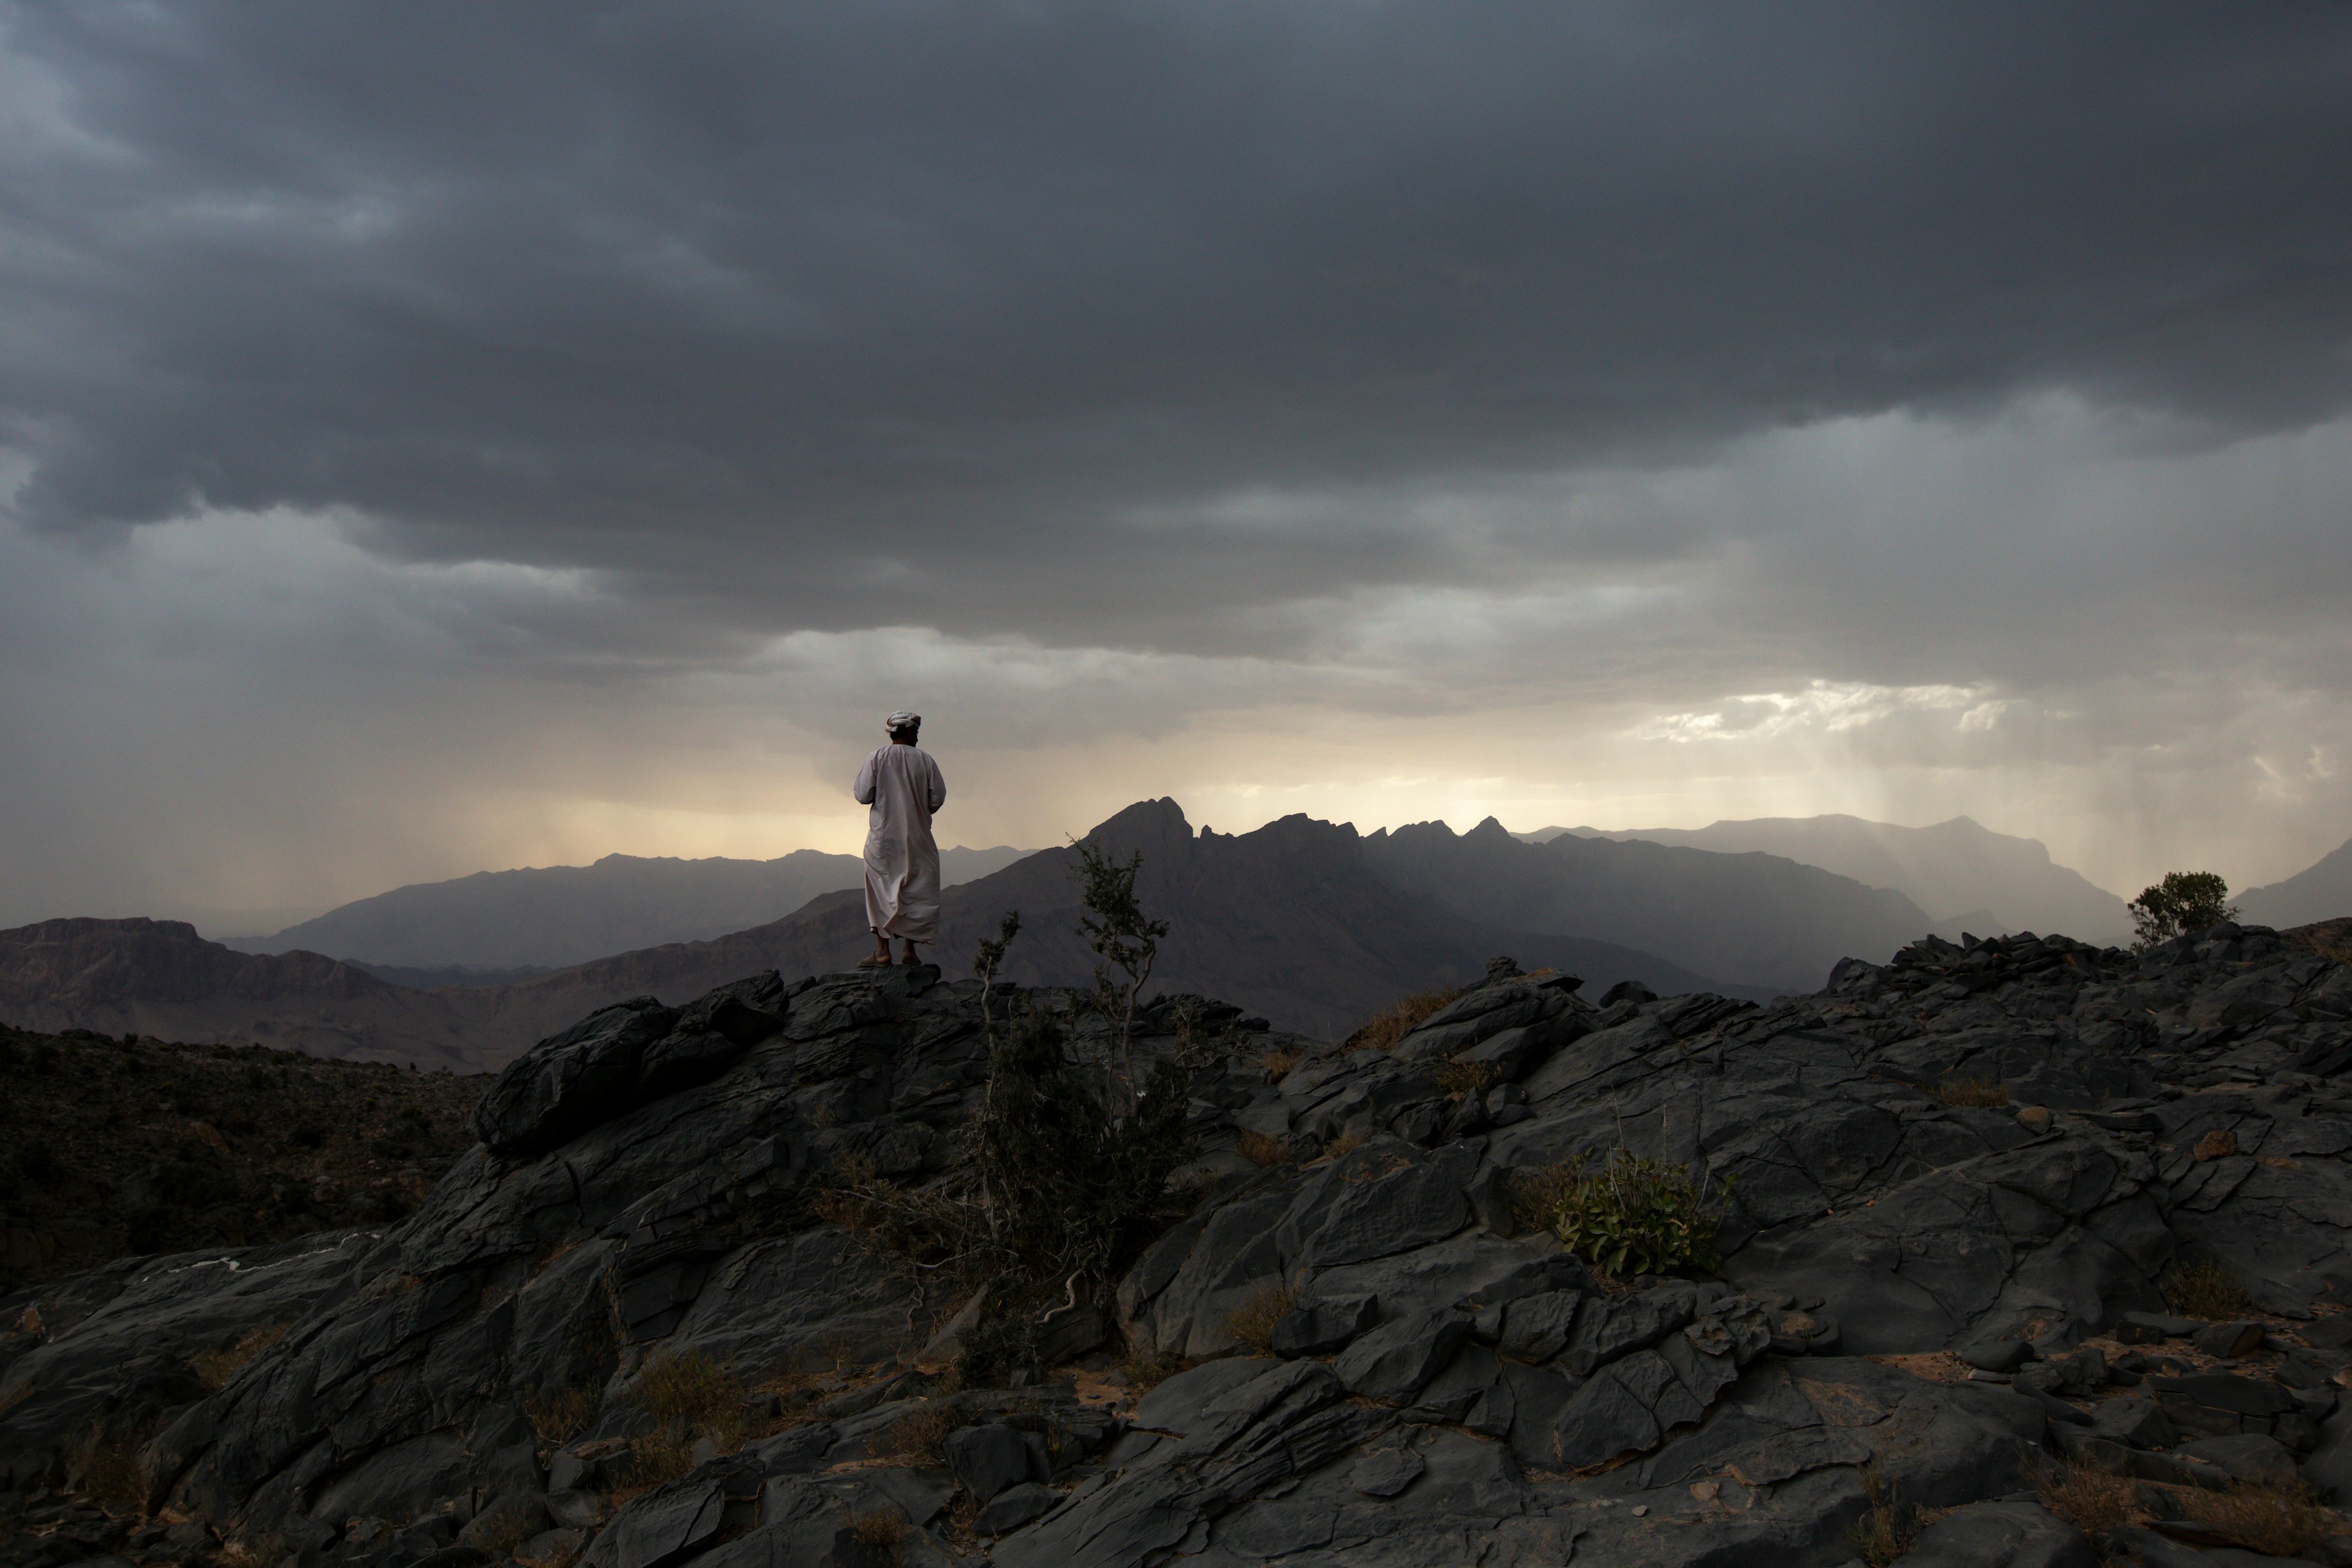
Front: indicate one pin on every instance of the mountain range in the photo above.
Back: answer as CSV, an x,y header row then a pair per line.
x,y
547,916
2319,892
1960,872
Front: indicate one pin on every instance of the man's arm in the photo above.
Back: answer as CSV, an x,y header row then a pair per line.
x,y
939,787
863,788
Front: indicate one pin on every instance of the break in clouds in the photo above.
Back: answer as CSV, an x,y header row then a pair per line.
x,y
463,437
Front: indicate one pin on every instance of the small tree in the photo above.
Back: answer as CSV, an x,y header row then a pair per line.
x,y
2184,901
1128,943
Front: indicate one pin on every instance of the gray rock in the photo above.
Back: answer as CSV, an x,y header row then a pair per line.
x,y
1016,1506
571,1080
1996,1355
1318,1328
985,1460
2247,1457
1385,1472
506,1520
2002,1535
1395,1361
1536,1327
2228,1341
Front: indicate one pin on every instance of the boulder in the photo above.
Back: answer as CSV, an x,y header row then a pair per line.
x,y
571,1080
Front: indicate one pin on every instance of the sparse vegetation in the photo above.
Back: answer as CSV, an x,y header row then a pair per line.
x,y
881,1530
109,1463
659,1458
1886,1532
2184,901
559,1416
1062,1187
1384,1028
691,1389
2207,1288
1463,1079
1974,1091
2092,1500
2278,1522
920,1437
1262,1150
215,1368
1278,1065
1147,1369
1634,1215
1253,1321
1344,1142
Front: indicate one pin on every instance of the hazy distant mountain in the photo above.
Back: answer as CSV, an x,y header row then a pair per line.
x,y
2319,892
1288,921
545,917
1957,871
1761,919
160,978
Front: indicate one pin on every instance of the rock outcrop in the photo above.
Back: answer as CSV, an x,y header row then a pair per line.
x,y
1955,1189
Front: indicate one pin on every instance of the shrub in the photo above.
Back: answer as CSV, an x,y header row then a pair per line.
x,y
2092,1500
561,1415
691,1389
1980,1091
1463,1079
215,1368
1634,1215
920,1437
2278,1522
1147,1369
1344,1141
1262,1150
2207,1288
1278,1065
110,1470
1886,1532
1384,1028
2184,901
881,1530
1128,943
1252,1321
660,1456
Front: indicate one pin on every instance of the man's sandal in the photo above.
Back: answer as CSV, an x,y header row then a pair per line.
x,y
872,961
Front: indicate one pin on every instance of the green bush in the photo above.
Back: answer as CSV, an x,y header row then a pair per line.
x,y
1632,1215
2184,901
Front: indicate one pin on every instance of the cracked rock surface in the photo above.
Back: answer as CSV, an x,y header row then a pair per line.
x,y
1954,1189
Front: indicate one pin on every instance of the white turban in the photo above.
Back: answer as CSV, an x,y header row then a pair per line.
x,y
902,720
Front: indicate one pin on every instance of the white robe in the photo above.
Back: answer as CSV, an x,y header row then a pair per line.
x,y
902,860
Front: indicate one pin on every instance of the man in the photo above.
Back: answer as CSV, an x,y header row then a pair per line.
x,y
903,785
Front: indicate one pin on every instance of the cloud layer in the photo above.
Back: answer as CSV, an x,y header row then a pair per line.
x,y
466,437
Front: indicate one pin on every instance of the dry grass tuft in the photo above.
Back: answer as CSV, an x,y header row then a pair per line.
x,y
509,1532
1345,1140
109,1472
560,1417
2091,1499
1262,1150
1278,1065
2207,1288
691,1389
881,1530
1884,1533
2278,1522
659,1458
1463,1079
920,1437
1978,1091
1149,1369
215,1368
1252,1323
1384,1028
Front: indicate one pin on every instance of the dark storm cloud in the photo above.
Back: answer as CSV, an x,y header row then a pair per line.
x,y
980,317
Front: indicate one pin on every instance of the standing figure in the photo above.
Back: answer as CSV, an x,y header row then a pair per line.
x,y
903,785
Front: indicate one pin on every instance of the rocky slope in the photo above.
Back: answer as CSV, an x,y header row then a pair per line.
x,y
1958,1187
117,1146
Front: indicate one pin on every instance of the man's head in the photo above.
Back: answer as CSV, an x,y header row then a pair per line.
x,y
904,726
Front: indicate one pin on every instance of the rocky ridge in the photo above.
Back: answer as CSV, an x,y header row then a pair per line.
x,y
1958,1187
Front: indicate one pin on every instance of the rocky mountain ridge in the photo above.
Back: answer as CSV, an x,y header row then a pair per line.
x,y
1956,1189
548,917
2320,892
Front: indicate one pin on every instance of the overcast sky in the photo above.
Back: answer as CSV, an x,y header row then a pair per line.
x,y
437,437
